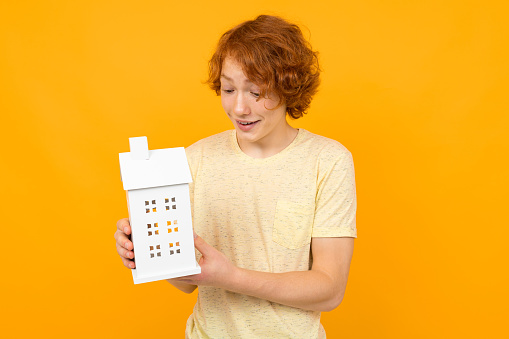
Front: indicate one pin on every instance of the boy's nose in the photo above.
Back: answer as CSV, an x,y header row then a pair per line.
x,y
240,106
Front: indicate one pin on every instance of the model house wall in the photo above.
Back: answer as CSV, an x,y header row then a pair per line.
x,y
157,185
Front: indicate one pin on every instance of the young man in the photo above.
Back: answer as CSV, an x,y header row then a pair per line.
x,y
274,206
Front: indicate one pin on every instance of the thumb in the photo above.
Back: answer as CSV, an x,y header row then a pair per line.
x,y
200,244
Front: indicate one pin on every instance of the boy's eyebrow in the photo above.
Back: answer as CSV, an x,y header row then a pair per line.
x,y
230,79
226,77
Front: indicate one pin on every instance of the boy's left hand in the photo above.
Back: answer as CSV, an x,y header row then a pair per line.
x,y
216,269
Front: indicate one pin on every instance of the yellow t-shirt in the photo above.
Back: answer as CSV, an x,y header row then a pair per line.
x,y
262,214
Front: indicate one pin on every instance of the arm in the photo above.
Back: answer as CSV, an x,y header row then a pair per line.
x,y
125,251
319,289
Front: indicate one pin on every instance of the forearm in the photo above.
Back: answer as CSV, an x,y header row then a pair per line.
x,y
312,290
319,289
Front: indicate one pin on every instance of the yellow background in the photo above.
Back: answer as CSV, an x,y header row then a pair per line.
x,y
417,90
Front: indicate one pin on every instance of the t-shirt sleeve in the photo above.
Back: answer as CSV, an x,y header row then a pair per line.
x,y
336,200
193,154
192,167
193,159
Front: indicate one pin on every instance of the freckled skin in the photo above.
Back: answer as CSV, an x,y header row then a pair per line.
x,y
270,133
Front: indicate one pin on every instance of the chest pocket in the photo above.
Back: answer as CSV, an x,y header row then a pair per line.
x,y
293,224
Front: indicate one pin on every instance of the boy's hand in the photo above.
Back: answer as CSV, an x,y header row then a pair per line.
x,y
124,245
216,269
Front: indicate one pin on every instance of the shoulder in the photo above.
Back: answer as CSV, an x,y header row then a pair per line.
x,y
325,149
211,147
212,143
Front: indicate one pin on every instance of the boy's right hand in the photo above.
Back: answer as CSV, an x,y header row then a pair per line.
x,y
124,244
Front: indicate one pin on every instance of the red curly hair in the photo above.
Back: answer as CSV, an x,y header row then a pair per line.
x,y
273,55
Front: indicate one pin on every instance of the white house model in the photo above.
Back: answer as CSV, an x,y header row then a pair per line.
x,y
157,187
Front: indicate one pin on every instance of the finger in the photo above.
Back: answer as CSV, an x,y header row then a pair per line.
x,y
123,240
189,277
124,226
124,253
188,281
204,248
128,263
192,279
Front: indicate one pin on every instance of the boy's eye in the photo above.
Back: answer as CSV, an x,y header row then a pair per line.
x,y
228,91
255,94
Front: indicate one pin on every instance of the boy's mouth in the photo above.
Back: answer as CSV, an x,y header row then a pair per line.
x,y
246,125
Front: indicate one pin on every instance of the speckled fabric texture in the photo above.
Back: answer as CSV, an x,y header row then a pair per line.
x,y
262,214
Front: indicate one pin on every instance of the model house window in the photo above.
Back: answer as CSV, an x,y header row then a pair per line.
x,y
169,223
151,228
172,245
172,203
154,252
149,206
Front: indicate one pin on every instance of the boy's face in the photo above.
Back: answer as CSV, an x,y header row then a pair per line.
x,y
256,122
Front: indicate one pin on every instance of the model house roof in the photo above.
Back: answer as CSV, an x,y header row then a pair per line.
x,y
144,168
